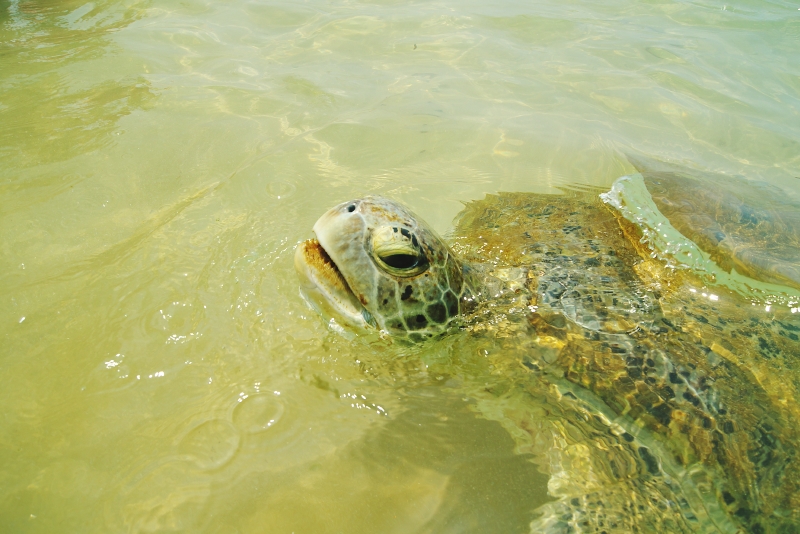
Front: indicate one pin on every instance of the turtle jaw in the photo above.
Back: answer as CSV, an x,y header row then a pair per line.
x,y
324,284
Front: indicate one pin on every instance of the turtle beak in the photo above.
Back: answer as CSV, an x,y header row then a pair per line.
x,y
325,287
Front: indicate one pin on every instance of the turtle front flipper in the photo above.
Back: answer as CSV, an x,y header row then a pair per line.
x,y
608,473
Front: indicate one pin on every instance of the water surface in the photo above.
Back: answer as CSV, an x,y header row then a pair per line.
x,y
159,161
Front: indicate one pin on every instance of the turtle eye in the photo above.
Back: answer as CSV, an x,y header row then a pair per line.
x,y
396,250
400,261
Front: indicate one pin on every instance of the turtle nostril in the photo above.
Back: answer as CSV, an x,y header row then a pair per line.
x,y
351,208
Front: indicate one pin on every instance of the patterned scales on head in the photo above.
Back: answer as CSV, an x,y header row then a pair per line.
x,y
682,408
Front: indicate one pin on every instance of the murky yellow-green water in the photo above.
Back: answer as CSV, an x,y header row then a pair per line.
x,y
159,161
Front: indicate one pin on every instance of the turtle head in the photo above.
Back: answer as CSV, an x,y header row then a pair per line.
x,y
375,264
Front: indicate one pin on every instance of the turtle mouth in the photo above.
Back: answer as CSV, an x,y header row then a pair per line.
x,y
325,286
316,257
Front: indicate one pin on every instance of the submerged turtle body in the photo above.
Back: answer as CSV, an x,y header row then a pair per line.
x,y
749,227
707,377
671,406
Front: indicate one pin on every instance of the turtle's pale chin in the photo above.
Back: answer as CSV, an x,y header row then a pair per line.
x,y
325,286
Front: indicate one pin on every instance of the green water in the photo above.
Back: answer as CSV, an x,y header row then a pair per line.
x,y
159,161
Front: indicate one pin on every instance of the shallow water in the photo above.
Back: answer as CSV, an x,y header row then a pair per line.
x,y
159,162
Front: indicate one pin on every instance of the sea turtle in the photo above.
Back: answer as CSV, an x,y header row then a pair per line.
x,y
666,384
